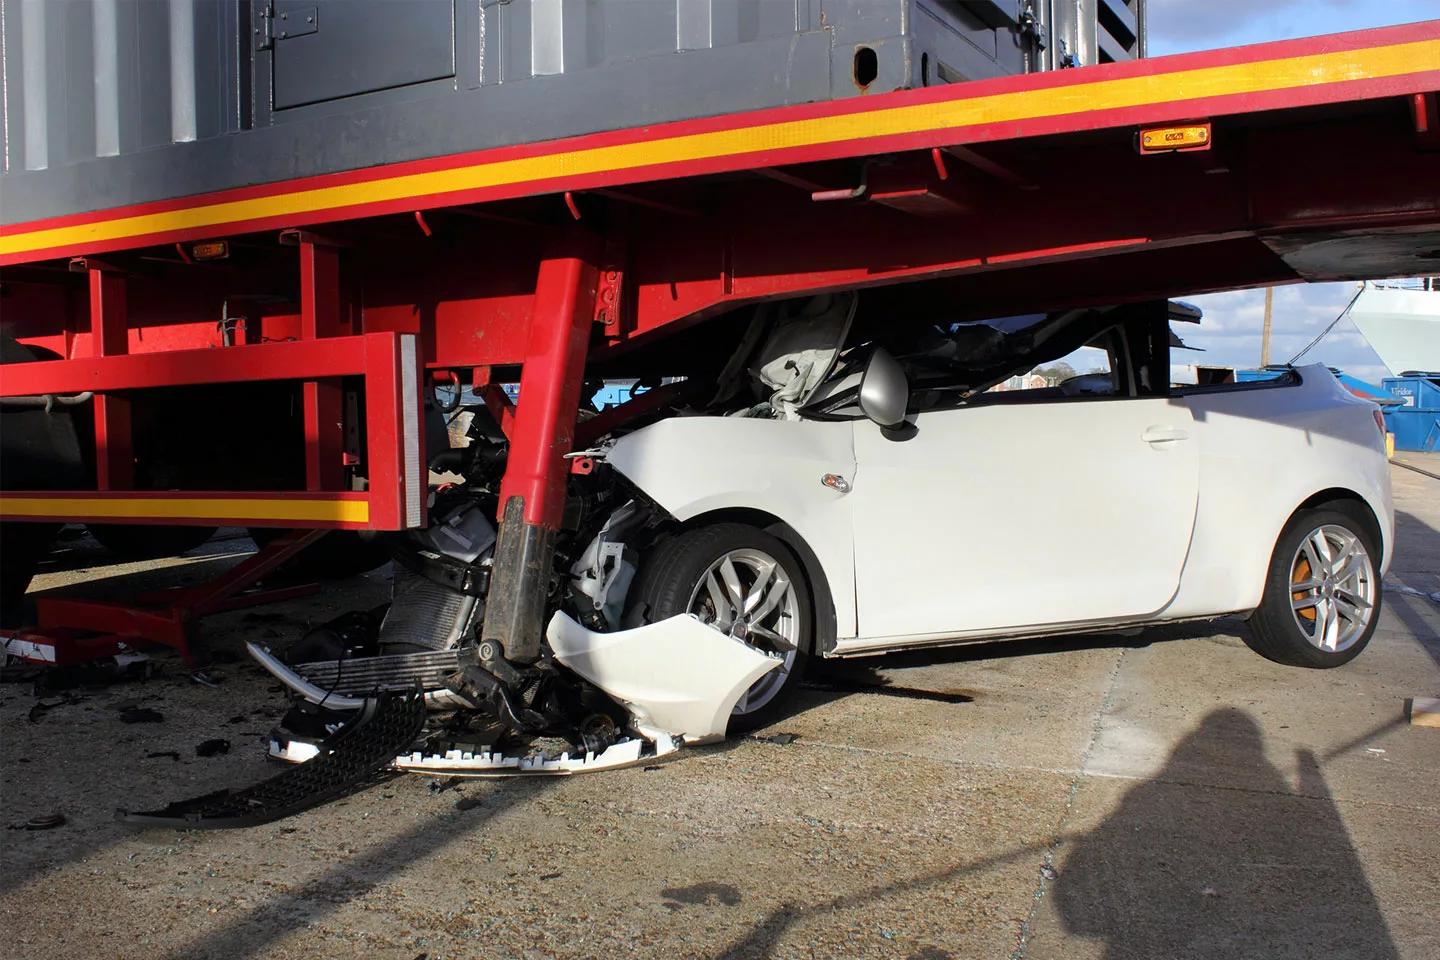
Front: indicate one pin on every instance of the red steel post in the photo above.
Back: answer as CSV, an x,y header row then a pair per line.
x,y
320,317
532,494
114,456
550,384
395,446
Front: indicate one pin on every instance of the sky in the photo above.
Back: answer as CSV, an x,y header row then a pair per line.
x,y
1230,333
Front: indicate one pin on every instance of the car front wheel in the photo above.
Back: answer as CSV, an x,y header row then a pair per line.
x,y
741,581
1322,594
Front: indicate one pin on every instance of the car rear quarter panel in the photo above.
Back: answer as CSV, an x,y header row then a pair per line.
x,y
1264,451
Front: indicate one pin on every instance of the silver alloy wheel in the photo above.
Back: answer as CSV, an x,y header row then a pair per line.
x,y
1332,588
747,594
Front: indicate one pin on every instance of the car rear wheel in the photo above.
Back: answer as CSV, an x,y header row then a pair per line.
x,y
744,582
1322,594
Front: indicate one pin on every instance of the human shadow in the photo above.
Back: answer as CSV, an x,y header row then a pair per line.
x,y
1415,542
1186,870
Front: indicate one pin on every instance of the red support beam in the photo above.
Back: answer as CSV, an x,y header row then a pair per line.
x,y
298,360
532,495
500,407
550,381
175,624
390,363
394,444
114,456
320,317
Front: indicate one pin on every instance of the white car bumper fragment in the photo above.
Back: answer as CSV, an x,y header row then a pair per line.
x,y
480,762
678,677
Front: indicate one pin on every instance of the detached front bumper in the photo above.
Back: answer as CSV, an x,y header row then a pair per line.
x,y
677,677
679,680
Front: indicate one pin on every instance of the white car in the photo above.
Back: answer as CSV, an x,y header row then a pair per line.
x,y
861,513
828,485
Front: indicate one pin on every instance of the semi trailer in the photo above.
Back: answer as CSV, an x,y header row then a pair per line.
x,y
242,281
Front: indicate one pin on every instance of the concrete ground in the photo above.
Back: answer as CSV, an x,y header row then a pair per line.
x,y
1162,796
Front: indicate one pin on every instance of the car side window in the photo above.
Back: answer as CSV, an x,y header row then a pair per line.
x,y
1090,371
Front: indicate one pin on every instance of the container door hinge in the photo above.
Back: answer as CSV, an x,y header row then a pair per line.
x,y
289,21
264,36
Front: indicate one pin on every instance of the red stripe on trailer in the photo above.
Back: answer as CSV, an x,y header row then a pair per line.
x,y
1368,64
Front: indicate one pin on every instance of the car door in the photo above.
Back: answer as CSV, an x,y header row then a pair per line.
x,y
1013,515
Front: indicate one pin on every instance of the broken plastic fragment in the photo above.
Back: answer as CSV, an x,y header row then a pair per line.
x,y
678,677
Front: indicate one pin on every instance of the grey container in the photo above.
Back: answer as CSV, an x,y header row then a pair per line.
x,y
114,102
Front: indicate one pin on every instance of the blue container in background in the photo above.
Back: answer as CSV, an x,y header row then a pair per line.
x,y
1416,423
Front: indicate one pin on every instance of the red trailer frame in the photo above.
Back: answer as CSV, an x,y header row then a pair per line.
x,y
1317,161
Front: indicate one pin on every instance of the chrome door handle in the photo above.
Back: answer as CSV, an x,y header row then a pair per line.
x,y
1163,435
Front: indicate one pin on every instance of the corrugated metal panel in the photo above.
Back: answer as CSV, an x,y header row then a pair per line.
x,y
105,103
100,78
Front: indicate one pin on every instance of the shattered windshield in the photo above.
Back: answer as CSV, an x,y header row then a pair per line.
x,y
970,357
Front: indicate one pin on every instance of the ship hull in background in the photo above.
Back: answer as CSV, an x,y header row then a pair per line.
x,y
1401,321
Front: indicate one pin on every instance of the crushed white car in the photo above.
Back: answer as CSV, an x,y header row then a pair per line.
x,y
832,488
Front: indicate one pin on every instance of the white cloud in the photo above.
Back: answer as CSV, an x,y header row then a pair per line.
x,y
1230,332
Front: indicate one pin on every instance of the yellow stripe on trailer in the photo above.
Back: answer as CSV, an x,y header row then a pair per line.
x,y
1046,102
347,511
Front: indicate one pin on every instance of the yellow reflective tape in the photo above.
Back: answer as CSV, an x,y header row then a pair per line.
x,y
1267,75
137,508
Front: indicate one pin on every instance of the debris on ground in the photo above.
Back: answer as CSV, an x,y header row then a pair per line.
x,y
123,667
1423,711
783,739
208,679
451,783
172,754
48,822
42,708
212,748
141,715
1048,872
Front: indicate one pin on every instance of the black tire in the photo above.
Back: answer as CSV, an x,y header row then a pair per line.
x,y
1276,630
672,573
22,547
338,554
147,541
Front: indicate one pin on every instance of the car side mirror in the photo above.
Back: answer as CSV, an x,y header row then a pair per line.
x,y
884,391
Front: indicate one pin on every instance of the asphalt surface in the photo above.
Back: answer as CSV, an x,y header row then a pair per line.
x,y
1158,796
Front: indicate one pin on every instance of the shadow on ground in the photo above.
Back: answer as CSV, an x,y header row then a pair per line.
x,y
1414,538
1180,870
254,933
